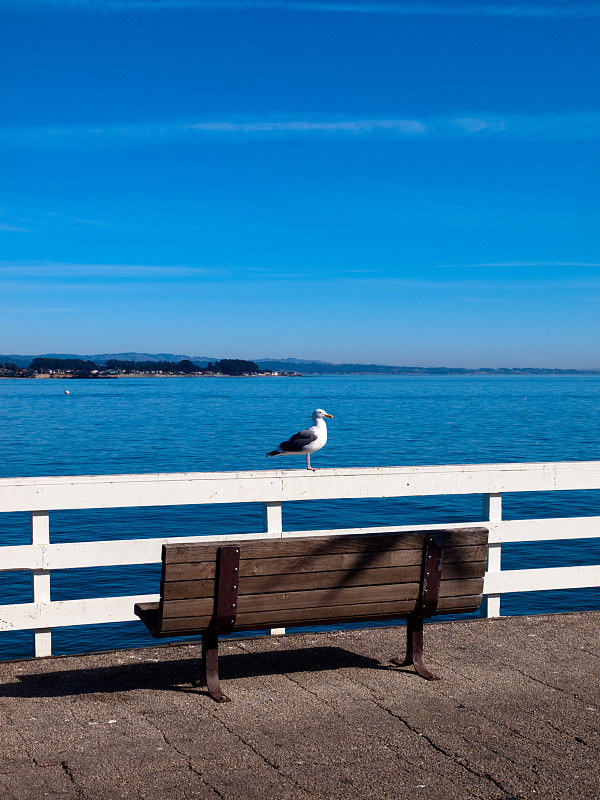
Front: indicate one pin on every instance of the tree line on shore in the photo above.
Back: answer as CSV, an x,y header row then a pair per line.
x,y
226,366
82,368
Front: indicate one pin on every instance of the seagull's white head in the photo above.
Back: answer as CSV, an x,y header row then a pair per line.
x,y
319,414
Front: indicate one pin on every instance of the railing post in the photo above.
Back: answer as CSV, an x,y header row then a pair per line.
x,y
492,512
273,523
272,520
40,534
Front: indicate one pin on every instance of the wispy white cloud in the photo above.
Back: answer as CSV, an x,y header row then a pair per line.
x,y
483,8
77,220
33,310
465,284
6,227
113,278
575,126
522,264
56,270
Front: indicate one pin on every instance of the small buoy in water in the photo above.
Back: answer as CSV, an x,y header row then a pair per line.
x,y
67,391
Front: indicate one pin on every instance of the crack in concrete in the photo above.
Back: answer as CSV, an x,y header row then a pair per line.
x,y
257,752
459,761
525,675
184,756
316,696
69,773
574,736
392,745
428,740
34,760
589,652
543,683
500,723
493,721
187,759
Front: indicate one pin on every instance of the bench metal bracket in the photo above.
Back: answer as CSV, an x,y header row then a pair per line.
x,y
226,598
433,555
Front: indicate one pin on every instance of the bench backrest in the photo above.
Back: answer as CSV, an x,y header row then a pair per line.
x,y
320,580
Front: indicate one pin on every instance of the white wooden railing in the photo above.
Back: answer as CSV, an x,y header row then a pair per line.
x,y
272,488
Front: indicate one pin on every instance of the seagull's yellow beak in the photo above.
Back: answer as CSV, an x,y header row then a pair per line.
x,y
328,415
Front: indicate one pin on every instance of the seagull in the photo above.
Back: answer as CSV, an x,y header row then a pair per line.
x,y
308,441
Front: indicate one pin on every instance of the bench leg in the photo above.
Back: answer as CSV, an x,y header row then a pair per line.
x,y
210,667
414,649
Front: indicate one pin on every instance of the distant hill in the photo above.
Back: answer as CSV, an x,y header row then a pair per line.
x,y
323,368
20,361
291,361
104,357
25,360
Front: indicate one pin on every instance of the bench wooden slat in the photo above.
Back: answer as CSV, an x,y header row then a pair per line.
x,y
265,584
350,595
323,545
291,600
325,615
199,570
183,590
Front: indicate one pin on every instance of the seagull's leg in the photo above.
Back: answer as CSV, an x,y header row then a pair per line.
x,y
308,466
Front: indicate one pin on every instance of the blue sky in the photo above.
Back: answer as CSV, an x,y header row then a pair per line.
x,y
394,182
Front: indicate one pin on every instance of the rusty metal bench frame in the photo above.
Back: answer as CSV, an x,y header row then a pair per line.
x,y
216,611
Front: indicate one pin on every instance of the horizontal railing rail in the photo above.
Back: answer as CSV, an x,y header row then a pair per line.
x,y
272,488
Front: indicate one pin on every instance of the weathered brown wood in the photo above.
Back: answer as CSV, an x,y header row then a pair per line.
x,y
461,587
149,613
307,599
182,590
350,595
205,570
304,616
326,615
146,608
255,567
323,545
195,625
360,612
264,584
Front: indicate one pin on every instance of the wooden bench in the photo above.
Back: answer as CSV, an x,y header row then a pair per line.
x,y
213,589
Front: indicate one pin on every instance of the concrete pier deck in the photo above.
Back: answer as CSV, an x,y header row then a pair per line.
x,y
516,715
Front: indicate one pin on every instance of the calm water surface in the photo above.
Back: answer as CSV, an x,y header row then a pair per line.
x,y
138,425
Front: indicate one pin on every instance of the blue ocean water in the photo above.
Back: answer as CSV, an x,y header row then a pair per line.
x,y
147,425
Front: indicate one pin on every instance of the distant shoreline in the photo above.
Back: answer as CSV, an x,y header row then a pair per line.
x,y
136,375
449,374
161,366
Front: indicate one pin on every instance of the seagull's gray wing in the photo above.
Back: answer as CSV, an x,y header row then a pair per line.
x,y
299,440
